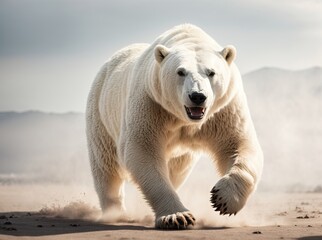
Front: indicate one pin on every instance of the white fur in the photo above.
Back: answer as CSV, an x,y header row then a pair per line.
x,y
137,124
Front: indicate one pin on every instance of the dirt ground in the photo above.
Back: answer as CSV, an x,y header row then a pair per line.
x,y
34,212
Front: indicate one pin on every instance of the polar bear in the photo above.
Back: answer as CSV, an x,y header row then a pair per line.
x,y
152,108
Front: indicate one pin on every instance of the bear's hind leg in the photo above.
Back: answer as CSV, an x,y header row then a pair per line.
x,y
109,187
107,174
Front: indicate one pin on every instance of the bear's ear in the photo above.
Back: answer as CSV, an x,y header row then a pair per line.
x,y
160,52
229,53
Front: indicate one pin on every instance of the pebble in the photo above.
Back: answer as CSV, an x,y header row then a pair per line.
x,y
74,225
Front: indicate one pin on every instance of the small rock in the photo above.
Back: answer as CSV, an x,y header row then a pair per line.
x,y
278,225
53,225
74,225
282,214
7,223
309,225
306,216
39,225
257,232
9,228
298,209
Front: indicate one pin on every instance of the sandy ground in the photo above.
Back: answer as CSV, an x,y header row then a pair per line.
x,y
69,212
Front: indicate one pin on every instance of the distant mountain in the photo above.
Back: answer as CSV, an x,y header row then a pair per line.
x,y
286,107
290,83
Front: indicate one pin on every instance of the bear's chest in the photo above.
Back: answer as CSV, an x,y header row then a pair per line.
x,y
181,141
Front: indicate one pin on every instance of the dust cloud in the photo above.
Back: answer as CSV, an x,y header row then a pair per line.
x,y
73,210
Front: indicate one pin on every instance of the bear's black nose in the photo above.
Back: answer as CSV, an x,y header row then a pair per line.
x,y
197,98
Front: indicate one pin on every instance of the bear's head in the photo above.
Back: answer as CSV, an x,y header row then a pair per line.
x,y
193,79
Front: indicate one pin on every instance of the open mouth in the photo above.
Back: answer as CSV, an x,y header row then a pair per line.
x,y
195,113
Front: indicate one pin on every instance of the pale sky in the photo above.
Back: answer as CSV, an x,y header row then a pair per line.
x,y
50,51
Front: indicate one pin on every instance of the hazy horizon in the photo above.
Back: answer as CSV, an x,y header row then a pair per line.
x,y
83,111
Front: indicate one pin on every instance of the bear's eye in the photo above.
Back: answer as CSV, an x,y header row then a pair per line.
x,y
181,72
211,73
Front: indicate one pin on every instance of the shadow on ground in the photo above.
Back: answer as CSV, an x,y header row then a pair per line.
x,y
35,224
311,238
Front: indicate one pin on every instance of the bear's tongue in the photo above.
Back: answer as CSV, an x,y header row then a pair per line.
x,y
196,111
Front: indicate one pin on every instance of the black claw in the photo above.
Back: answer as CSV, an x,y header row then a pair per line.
x,y
189,221
225,209
219,205
177,226
180,221
213,197
235,213
214,190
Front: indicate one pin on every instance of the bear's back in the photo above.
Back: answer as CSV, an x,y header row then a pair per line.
x,y
115,87
186,34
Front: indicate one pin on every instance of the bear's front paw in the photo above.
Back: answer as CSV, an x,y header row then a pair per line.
x,y
179,220
229,195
